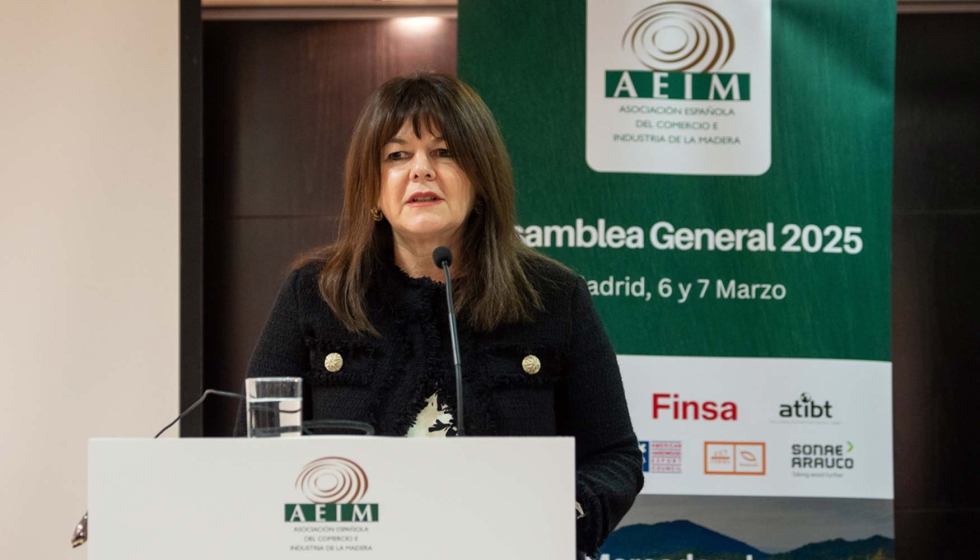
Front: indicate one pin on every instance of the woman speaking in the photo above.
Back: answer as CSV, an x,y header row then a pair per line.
x,y
364,321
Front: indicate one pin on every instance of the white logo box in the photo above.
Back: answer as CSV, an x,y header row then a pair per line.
x,y
656,141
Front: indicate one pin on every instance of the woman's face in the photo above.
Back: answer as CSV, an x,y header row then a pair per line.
x,y
425,195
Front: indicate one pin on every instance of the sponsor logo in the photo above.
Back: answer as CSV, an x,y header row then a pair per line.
x,y
334,487
806,409
661,456
822,457
681,44
734,458
670,405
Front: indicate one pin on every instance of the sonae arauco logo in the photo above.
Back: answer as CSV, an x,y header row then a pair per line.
x,y
832,456
335,486
680,43
807,408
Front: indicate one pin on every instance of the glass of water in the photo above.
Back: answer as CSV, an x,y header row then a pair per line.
x,y
274,406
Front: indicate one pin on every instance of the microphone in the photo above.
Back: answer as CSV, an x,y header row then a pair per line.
x,y
443,258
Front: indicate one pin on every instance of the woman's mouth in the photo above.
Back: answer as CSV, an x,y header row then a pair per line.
x,y
424,199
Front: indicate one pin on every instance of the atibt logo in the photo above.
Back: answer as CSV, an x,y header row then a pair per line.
x,y
808,408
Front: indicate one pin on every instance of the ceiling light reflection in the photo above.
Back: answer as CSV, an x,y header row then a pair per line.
x,y
417,25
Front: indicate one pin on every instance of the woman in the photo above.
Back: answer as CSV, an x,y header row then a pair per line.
x,y
364,321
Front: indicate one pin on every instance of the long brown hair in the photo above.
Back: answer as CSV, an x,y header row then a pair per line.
x,y
490,283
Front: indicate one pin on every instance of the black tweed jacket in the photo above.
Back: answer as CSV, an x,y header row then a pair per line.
x,y
384,381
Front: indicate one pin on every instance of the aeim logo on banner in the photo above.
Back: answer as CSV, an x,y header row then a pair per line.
x,y
334,486
681,43
679,86
661,456
669,405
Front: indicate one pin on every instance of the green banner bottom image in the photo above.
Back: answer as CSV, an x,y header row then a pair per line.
x,y
752,528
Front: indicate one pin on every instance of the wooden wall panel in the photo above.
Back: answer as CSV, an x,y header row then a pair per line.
x,y
936,266
280,101
937,114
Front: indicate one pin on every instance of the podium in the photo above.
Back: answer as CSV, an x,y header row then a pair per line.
x,y
332,497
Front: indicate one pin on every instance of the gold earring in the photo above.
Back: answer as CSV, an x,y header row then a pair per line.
x,y
376,214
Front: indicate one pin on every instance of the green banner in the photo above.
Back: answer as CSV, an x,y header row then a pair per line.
x,y
720,173
830,175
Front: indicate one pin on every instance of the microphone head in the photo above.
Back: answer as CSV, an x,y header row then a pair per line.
x,y
442,255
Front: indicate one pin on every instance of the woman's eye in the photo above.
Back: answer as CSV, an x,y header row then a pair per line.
x,y
395,156
444,152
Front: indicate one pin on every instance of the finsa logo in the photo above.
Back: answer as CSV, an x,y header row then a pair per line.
x,y
681,43
806,408
668,405
335,487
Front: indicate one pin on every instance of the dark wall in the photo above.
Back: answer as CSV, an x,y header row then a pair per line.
x,y
280,101
936,302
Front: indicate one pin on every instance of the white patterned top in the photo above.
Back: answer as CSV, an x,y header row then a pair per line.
x,y
434,420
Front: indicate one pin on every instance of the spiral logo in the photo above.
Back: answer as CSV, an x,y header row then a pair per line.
x,y
680,37
333,480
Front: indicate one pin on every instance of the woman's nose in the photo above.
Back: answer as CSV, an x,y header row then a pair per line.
x,y
422,168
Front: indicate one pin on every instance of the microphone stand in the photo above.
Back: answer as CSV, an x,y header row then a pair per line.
x,y
444,258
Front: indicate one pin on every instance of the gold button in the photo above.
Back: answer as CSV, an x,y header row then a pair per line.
x,y
333,362
531,364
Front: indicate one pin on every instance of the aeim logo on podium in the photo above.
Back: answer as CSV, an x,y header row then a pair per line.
x,y
335,487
